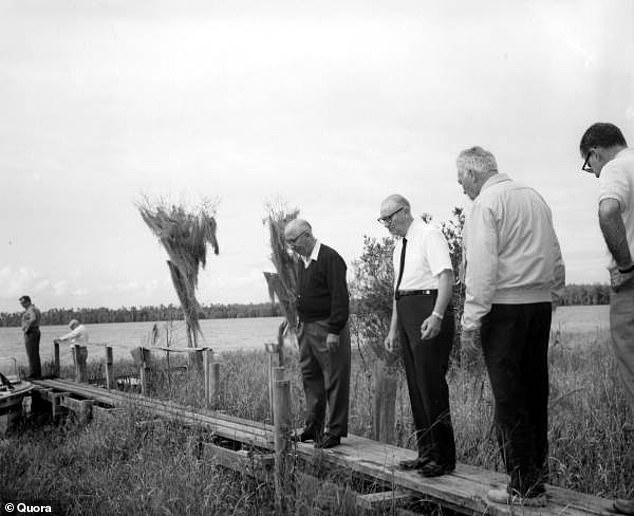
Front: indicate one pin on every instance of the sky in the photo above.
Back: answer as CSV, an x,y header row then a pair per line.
x,y
326,106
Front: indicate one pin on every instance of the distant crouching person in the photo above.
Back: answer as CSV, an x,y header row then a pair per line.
x,y
324,337
513,266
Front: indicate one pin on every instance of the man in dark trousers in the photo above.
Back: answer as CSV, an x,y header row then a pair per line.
x,y
424,328
31,329
513,267
324,336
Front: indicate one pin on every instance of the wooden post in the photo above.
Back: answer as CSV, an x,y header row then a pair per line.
x,y
385,390
109,370
56,359
271,387
143,372
214,383
85,411
282,432
208,357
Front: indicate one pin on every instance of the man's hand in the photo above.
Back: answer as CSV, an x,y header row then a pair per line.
x,y
332,341
430,327
468,339
391,341
617,278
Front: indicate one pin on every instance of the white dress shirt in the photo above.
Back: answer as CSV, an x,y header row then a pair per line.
x,y
426,256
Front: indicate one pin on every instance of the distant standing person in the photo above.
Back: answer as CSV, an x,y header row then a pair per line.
x,y
513,266
424,326
606,155
31,330
324,336
78,334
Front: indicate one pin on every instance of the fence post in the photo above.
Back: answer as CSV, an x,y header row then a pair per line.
x,y
56,359
282,431
208,358
109,370
144,370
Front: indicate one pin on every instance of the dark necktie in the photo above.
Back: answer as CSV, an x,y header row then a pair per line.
x,y
401,266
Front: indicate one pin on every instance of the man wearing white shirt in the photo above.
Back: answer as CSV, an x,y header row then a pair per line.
x,y
424,329
78,334
513,266
606,155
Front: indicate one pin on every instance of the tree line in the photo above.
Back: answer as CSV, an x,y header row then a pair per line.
x,y
582,294
57,316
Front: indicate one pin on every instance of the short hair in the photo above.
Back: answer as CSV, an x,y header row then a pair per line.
x,y
25,298
601,134
399,200
477,159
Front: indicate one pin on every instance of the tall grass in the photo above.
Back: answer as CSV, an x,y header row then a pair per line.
x,y
140,466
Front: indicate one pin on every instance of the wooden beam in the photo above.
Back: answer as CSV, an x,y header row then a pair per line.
x,y
383,500
109,369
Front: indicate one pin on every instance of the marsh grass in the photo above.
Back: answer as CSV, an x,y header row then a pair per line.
x,y
137,465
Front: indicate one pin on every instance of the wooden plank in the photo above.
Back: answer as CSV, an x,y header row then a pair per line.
x,y
464,491
253,465
237,429
383,500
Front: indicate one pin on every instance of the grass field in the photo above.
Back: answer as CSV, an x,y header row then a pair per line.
x,y
133,468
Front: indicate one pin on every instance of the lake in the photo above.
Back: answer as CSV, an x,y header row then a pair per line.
x,y
230,334
220,334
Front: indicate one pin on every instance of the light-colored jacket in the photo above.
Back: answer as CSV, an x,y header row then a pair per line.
x,y
511,249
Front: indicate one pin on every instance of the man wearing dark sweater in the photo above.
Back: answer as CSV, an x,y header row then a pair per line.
x,y
324,336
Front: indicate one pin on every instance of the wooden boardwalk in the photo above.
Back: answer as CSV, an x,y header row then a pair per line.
x,y
464,490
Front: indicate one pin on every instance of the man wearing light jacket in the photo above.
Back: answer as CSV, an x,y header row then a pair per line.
x,y
513,267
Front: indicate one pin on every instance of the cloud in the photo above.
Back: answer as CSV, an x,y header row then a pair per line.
x,y
25,279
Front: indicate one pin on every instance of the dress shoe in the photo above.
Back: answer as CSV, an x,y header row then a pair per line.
x,y
501,495
624,506
329,441
304,436
416,463
435,469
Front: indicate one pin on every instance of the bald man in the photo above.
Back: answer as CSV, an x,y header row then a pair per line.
x,y
324,337
422,322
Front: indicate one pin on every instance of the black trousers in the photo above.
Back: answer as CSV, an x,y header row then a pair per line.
x,y
32,344
515,346
426,363
326,378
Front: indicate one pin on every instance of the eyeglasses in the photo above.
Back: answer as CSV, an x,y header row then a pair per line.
x,y
387,220
586,167
293,241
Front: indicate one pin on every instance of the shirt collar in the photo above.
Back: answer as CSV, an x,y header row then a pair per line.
x,y
495,179
313,255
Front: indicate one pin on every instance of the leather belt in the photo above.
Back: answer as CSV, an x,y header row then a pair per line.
x,y
404,293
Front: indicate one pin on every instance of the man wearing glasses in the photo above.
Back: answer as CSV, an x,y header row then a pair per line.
x,y
513,266
324,336
423,326
606,155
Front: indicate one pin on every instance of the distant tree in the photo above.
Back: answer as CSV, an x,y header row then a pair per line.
x,y
184,234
